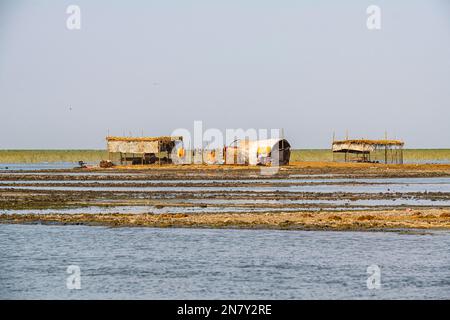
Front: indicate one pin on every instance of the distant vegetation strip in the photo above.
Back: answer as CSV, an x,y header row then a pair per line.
x,y
410,155
39,156
94,156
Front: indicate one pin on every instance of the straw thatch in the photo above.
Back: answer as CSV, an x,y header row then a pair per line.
x,y
148,139
371,142
141,145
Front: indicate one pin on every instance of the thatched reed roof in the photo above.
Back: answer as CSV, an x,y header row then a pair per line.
x,y
164,139
371,142
141,145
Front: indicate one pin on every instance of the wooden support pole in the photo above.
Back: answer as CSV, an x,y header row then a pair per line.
x,y
385,154
401,155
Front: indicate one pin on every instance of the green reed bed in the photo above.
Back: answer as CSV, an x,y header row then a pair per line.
x,y
94,156
39,156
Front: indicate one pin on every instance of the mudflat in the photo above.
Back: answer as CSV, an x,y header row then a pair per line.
x,y
303,195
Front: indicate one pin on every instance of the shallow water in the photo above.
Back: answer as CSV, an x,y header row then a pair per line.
x,y
70,165
38,166
376,188
397,187
360,202
150,263
340,181
174,209
240,205
62,174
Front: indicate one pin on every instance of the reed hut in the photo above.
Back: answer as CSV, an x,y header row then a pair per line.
x,y
374,151
259,152
142,150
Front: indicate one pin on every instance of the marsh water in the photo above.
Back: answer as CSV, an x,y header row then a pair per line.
x,y
182,263
224,195
355,185
151,263
37,166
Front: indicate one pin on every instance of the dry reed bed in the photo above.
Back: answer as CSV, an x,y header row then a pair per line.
x,y
361,220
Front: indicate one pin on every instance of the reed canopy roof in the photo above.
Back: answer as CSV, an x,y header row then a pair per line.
x,y
364,146
142,145
145,139
371,142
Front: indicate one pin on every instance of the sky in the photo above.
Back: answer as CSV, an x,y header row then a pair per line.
x,y
312,68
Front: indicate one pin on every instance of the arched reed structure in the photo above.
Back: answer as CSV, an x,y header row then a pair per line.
x,y
259,152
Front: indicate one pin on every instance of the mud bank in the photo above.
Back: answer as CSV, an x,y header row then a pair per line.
x,y
227,171
361,220
318,196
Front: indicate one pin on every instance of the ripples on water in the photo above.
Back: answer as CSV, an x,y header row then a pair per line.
x,y
149,263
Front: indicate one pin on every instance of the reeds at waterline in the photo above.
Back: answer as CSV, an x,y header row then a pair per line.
x,y
94,156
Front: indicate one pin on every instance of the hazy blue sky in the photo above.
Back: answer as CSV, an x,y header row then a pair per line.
x,y
310,67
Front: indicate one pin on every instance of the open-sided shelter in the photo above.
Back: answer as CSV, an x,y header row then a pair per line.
x,y
387,151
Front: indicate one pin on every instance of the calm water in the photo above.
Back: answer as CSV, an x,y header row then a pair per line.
x,y
38,166
147,263
70,165
337,180
376,188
